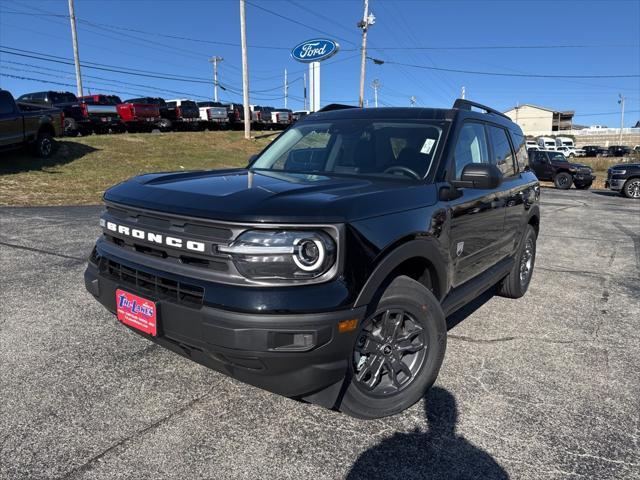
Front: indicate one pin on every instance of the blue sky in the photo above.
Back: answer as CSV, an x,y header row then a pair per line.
x,y
132,34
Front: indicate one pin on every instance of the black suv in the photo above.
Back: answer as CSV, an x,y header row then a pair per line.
x,y
595,151
624,178
553,166
619,151
324,270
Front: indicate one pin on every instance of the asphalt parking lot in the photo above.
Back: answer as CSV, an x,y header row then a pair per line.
x,y
543,387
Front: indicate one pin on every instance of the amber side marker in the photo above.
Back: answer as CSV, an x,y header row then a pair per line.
x,y
347,325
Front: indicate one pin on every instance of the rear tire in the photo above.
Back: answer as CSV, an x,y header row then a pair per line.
x,y
398,352
165,125
44,145
563,181
515,284
631,188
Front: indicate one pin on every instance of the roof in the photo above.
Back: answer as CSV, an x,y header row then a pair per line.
x,y
564,112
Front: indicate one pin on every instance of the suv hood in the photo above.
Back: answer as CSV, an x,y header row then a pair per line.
x,y
240,195
570,164
625,165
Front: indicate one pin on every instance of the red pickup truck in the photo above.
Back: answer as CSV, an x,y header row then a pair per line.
x,y
138,117
103,112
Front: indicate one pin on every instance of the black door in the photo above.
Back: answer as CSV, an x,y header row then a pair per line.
x,y
477,216
513,188
11,131
542,166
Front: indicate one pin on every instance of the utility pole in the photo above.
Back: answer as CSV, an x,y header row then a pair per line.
x,y
286,88
245,72
463,93
215,61
304,88
74,39
621,102
412,101
375,85
364,24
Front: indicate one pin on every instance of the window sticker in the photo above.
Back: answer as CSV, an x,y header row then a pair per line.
x,y
428,145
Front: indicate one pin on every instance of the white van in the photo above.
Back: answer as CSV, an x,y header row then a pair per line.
x,y
565,142
547,143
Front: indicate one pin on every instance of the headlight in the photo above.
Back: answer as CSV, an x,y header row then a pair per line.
x,y
618,172
282,254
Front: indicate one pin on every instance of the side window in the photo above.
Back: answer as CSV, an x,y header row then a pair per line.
x,y
6,103
502,154
522,157
471,147
541,157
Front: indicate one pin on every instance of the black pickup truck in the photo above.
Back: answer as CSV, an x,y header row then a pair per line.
x,y
624,178
76,117
324,270
24,124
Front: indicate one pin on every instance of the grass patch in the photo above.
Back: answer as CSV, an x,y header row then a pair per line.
x,y
83,168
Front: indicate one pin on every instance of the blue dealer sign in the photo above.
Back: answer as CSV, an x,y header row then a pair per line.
x,y
315,50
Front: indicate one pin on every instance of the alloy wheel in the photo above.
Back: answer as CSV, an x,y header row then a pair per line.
x,y
45,147
633,189
389,353
526,262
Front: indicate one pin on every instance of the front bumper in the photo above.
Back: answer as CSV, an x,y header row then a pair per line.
x,y
583,179
614,184
295,355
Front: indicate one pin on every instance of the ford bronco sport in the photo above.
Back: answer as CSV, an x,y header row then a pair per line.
x,y
324,270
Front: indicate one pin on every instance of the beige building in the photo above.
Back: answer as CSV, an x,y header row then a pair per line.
x,y
533,118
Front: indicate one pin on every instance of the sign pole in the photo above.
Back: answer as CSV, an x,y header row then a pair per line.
x,y
245,72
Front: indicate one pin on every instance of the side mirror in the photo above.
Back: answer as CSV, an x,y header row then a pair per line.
x,y
252,158
483,176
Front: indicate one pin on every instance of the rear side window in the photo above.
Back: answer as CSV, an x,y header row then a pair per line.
x,y
502,154
522,157
6,103
471,147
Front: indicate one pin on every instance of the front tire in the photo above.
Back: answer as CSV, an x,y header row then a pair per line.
x,y
563,181
515,284
398,352
631,188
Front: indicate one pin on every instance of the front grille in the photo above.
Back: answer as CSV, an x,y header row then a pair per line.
x,y
155,286
210,234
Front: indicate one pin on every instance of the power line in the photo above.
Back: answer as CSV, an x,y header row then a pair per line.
x,y
498,74
289,19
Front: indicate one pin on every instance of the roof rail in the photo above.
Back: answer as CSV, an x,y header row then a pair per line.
x,y
335,106
463,104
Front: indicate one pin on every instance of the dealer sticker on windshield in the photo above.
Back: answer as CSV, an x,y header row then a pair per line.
x,y
427,146
137,312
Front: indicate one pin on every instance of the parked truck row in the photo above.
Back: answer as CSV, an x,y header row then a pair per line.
x,y
101,113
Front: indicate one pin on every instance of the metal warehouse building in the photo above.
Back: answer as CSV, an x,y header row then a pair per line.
x,y
533,118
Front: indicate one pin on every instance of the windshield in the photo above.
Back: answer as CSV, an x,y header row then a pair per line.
x,y
393,148
557,157
63,98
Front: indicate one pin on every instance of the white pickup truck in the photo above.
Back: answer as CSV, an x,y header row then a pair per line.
x,y
213,114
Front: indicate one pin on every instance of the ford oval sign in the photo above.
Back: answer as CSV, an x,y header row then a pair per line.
x,y
315,50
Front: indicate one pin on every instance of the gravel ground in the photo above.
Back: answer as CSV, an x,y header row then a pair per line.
x,y
546,387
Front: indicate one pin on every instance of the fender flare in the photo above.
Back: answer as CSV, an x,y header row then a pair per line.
x,y
423,248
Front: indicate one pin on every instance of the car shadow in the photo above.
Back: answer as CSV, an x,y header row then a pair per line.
x,y
23,160
459,315
606,193
437,453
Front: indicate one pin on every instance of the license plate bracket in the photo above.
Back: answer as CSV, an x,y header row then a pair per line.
x,y
137,312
